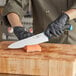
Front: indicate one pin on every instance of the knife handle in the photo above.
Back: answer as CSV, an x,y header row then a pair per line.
x,y
68,27
71,28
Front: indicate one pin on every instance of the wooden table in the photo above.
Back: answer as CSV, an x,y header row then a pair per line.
x,y
54,60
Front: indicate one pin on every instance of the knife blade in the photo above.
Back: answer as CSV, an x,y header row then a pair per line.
x,y
36,39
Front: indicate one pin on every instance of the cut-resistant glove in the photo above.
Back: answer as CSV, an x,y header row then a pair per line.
x,y
21,33
56,28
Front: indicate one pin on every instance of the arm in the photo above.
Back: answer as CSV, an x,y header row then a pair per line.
x,y
19,30
56,28
14,20
71,13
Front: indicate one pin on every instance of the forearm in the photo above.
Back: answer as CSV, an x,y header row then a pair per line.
x,y
71,13
14,20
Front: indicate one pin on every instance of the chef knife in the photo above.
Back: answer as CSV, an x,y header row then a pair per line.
x,y
36,39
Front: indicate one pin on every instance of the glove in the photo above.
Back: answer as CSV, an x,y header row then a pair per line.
x,y
56,28
21,33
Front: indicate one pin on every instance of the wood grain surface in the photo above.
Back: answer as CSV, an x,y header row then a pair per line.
x,y
53,60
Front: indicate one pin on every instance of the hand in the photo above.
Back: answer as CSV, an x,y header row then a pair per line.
x,y
56,27
21,33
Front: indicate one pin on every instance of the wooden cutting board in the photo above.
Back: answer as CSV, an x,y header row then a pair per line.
x,y
53,60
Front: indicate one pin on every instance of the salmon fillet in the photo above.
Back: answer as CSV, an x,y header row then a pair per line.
x,y
32,48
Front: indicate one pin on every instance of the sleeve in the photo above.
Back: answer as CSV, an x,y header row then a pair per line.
x,y
13,6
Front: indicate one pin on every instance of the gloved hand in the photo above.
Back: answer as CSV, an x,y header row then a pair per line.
x,y
21,33
56,28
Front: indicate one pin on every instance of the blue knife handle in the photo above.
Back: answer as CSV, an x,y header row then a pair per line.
x,y
68,27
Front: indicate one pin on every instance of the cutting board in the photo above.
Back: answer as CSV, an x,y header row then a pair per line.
x,y
53,60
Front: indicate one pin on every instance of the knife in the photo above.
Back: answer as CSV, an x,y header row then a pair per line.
x,y
36,39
